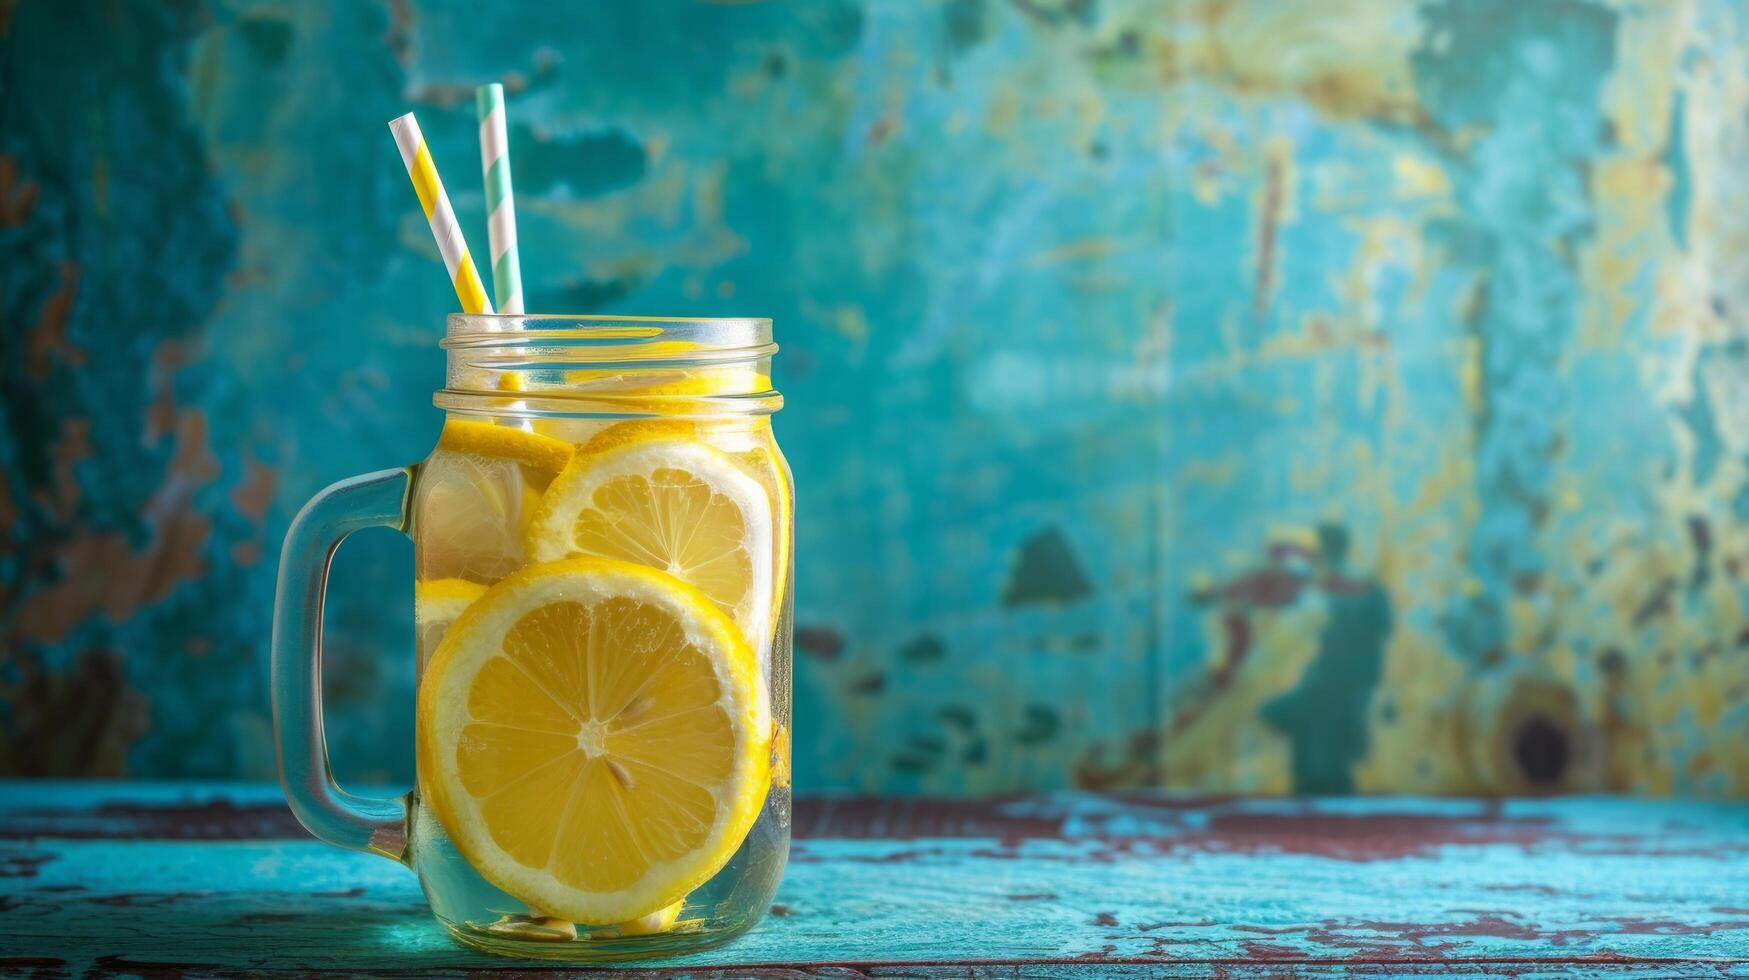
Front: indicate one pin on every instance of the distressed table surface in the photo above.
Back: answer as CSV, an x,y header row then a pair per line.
x,y
104,878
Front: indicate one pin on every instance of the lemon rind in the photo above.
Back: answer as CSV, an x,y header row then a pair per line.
x,y
547,536
443,713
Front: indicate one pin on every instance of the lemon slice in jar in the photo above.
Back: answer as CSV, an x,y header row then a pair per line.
x,y
592,736
539,453
473,498
753,446
672,504
637,389
768,466
437,605
656,922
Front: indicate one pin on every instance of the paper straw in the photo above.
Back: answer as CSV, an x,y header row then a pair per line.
x,y
448,232
500,204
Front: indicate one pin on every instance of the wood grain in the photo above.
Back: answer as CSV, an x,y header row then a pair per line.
x,y
122,878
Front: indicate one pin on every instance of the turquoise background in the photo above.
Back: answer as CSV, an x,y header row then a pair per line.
x,y
1235,396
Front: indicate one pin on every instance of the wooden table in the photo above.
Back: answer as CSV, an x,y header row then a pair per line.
x,y
103,878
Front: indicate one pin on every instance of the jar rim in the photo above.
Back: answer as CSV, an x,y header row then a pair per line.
x,y
705,333
547,364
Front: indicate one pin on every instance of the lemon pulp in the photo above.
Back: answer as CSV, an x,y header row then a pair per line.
x,y
475,494
593,736
674,505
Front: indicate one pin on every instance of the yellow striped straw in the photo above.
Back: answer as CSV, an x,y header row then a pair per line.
x,y
444,227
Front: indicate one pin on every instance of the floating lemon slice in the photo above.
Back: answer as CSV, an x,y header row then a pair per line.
x,y
659,921
772,471
672,504
697,380
624,433
752,446
438,604
592,735
780,757
629,386
538,452
474,496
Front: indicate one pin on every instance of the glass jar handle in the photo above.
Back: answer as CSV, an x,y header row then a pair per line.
x,y
377,499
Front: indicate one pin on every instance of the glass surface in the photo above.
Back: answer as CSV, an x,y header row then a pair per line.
x,y
459,494
602,543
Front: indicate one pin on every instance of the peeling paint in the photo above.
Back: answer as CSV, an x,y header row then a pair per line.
x,y
1091,319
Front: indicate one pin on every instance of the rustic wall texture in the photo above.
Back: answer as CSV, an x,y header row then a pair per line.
x,y
1228,395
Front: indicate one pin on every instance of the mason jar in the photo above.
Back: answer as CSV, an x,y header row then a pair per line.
x,y
603,576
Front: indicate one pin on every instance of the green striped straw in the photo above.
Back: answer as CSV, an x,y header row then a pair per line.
x,y
500,205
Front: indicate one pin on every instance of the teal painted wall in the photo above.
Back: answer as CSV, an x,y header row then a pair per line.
x,y
1249,395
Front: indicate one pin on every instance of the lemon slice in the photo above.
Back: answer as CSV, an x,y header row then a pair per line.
x,y
672,504
630,384
474,496
592,735
438,604
659,921
753,446
624,433
768,466
540,453
780,757
696,380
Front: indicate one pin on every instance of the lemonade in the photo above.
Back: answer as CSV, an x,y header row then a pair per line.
x,y
603,646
